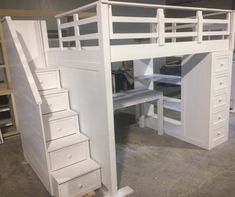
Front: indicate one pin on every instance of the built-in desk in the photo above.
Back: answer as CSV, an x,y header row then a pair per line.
x,y
140,97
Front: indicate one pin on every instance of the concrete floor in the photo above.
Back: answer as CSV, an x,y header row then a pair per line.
x,y
154,166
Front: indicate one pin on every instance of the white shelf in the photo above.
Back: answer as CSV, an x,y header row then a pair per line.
x,y
172,103
169,79
6,122
172,127
4,109
134,97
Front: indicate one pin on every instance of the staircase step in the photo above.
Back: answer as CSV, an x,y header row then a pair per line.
x,y
65,142
77,179
54,100
47,69
47,78
67,151
74,171
59,115
53,91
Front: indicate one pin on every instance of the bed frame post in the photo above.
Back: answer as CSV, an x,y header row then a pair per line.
x,y
76,31
60,33
232,30
103,31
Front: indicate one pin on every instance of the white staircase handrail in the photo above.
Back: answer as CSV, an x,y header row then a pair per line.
x,y
23,59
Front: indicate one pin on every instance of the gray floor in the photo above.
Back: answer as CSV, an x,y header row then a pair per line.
x,y
154,166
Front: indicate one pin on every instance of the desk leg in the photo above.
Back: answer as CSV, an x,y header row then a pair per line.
x,y
142,116
160,115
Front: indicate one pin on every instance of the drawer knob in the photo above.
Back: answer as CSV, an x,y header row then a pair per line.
x,y
220,100
219,133
80,186
70,156
221,82
219,117
222,64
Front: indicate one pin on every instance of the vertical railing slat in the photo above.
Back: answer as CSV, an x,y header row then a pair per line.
x,y
60,33
76,31
161,26
199,26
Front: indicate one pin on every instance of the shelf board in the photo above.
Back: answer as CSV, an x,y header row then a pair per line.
x,y
169,79
10,133
5,92
172,103
6,122
2,66
4,109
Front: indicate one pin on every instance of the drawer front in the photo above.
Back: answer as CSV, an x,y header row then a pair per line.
x,y
47,80
221,82
220,100
54,103
81,185
60,128
221,64
219,117
219,133
69,155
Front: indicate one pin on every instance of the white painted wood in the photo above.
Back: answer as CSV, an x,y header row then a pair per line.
x,y
81,185
161,27
199,26
60,124
66,174
133,35
172,103
123,19
169,79
47,80
65,141
30,37
54,100
69,155
133,52
28,105
144,5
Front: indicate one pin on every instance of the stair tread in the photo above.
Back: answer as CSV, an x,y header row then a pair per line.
x,y
59,115
47,69
68,173
65,142
53,91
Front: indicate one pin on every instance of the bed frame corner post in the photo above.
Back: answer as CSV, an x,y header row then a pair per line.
x,y
232,30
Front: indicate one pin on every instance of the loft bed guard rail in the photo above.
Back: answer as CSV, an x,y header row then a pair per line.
x,y
155,24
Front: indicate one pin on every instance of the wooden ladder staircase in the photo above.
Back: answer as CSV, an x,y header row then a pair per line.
x,y
73,172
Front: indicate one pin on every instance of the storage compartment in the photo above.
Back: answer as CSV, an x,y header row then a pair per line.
x,y
221,64
47,80
220,100
69,155
54,102
59,128
81,185
221,82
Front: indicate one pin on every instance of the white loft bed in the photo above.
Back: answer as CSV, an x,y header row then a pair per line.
x,y
196,38
85,61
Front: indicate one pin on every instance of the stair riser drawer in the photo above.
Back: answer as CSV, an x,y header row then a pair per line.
x,y
60,128
219,117
221,64
220,100
48,80
55,103
69,155
221,82
80,186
